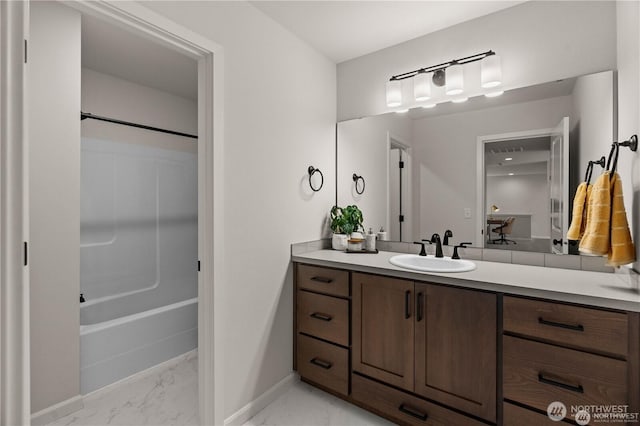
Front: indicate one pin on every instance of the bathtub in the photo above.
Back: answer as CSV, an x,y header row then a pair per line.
x,y
115,349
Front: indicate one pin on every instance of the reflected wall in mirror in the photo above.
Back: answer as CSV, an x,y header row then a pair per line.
x,y
455,165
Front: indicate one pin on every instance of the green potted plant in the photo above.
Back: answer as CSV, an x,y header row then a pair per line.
x,y
344,221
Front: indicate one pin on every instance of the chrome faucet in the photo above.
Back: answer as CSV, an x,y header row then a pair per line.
x,y
447,234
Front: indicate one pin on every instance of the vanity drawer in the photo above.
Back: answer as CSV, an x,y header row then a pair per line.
x,y
536,374
322,316
323,280
585,328
404,408
515,415
324,364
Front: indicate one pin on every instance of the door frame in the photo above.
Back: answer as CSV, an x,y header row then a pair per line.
x,y
480,173
15,407
392,140
210,57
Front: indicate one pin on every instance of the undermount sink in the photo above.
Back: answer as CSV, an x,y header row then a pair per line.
x,y
431,263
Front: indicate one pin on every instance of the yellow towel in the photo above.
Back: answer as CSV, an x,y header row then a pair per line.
x,y
621,250
579,215
595,240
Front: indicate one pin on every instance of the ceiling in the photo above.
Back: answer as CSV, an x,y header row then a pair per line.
x,y
115,51
344,30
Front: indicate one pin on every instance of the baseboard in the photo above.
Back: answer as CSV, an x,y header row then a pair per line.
x,y
251,409
57,411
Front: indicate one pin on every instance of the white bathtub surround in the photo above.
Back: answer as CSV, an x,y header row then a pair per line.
x,y
166,394
305,405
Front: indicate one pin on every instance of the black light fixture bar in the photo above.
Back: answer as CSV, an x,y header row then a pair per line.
x,y
444,65
85,115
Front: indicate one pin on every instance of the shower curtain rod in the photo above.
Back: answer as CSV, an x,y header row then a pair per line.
x,y
84,115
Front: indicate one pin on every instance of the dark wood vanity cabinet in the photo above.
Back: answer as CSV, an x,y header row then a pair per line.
x,y
435,341
383,329
455,348
430,354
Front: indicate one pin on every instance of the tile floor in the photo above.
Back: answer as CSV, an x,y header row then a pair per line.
x,y
168,395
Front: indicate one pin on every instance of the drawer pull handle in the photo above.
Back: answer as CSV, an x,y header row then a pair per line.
x,y
573,388
322,280
321,316
413,412
420,309
321,363
577,327
407,304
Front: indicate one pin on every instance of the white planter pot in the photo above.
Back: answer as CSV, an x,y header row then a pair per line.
x,y
339,241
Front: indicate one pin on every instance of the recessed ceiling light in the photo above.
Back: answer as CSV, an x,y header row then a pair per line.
x,y
494,94
429,106
402,111
508,159
459,100
510,174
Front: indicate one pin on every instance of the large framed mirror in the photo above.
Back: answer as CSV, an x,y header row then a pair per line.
x,y
498,172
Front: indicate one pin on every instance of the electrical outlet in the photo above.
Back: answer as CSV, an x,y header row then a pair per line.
x,y
467,213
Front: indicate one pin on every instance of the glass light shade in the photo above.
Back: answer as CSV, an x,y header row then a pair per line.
x,y
394,93
455,80
491,71
422,87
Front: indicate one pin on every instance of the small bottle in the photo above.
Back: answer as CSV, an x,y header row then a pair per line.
x,y
370,240
382,235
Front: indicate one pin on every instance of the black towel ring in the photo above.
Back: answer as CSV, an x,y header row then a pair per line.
x,y
587,176
312,170
615,149
357,179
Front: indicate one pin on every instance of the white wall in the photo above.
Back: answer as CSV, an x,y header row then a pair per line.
x,y
54,137
538,41
522,194
444,159
363,149
628,43
280,102
591,120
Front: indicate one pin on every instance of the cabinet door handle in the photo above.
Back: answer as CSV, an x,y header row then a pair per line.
x,y
413,412
321,363
321,316
407,304
420,308
322,280
577,327
573,388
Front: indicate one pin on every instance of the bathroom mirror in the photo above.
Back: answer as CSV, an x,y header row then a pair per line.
x,y
469,167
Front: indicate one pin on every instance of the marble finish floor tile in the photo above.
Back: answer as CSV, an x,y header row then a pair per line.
x,y
304,405
167,395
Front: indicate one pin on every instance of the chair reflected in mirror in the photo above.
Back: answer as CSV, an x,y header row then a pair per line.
x,y
503,230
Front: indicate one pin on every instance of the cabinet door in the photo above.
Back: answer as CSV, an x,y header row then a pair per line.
x,y
383,325
455,348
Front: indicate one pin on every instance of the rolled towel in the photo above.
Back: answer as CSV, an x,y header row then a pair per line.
x,y
578,217
595,240
621,249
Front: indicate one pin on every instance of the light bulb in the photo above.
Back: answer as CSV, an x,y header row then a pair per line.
x,y
491,71
394,93
455,80
421,87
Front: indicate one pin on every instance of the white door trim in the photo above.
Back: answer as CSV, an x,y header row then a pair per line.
x,y
480,181
210,56
15,407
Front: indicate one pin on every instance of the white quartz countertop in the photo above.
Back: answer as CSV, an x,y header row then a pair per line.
x,y
620,290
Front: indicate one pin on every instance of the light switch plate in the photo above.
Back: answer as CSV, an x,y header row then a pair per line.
x,y
467,213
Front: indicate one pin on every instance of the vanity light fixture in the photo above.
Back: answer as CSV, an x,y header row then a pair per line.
x,y
449,74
